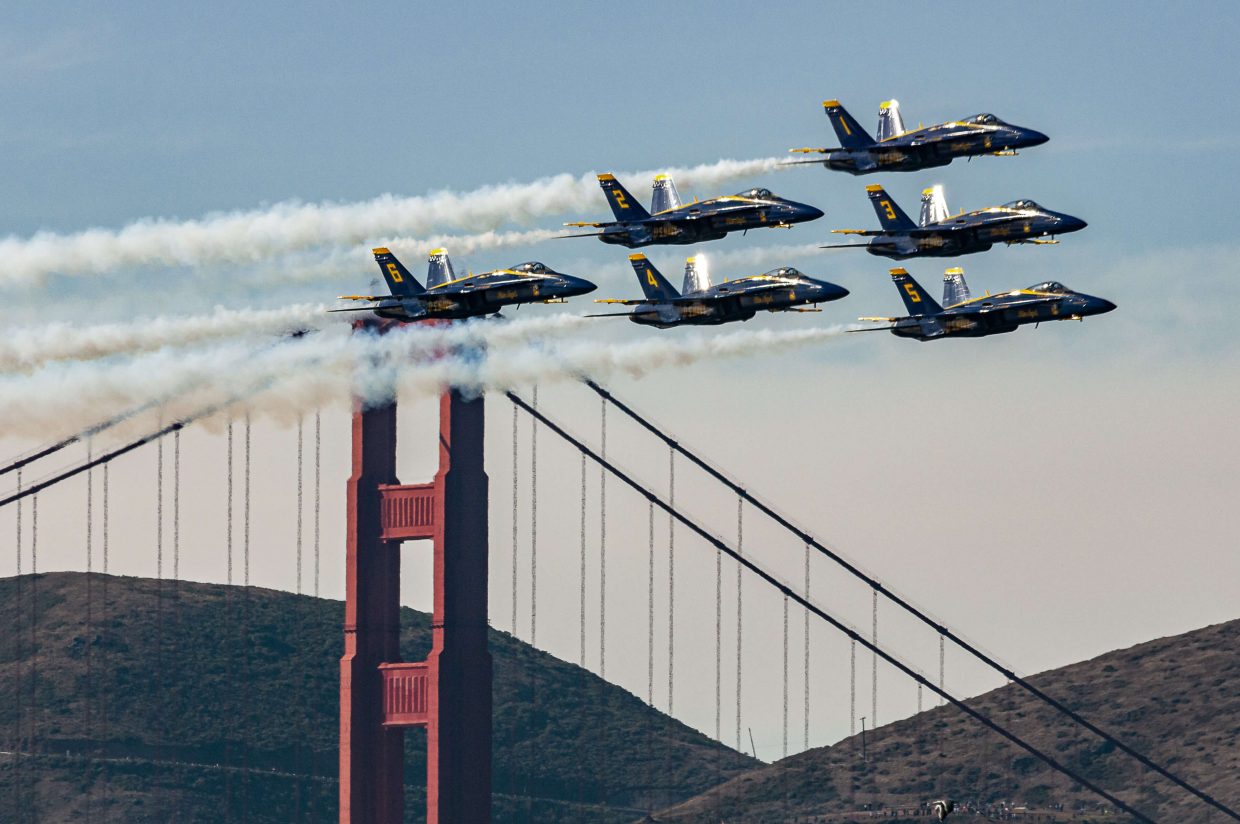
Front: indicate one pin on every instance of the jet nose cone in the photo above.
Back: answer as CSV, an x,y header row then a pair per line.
x,y
1068,223
1030,137
1100,306
577,286
804,211
831,291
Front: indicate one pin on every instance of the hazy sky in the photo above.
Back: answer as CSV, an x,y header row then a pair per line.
x,y
1054,493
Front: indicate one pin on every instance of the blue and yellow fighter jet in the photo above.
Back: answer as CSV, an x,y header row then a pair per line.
x,y
449,297
702,304
942,235
970,317
897,150
693,222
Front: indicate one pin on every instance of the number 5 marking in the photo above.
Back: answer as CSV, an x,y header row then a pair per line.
x,y
913,294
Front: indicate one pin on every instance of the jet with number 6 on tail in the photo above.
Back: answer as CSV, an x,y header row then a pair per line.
x,y
897,150
702,304
941,234
693,222
449,297
970,317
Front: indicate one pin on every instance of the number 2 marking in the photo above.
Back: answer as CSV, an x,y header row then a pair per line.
x,y
621,201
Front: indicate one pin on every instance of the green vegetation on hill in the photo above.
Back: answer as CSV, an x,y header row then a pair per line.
x,y
1175,699
203,703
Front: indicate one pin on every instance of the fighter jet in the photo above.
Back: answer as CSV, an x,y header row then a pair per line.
x,y
700,303
671,222
970,317
943,235
897,150
447,296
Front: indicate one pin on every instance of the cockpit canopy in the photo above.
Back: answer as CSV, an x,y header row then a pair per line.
x,y
1052,286
1023,205
784,272
757,194
533,267
984,119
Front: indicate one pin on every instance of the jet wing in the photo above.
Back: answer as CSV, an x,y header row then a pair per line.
x,y
610,315
621,302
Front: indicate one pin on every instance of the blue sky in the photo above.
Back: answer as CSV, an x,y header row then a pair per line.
x,y
1092,450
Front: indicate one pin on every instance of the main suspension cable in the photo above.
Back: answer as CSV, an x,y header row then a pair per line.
x,y
852,634
904,604
534,524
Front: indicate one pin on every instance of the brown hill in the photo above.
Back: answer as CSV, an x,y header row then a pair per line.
x,y
1175,699
182,702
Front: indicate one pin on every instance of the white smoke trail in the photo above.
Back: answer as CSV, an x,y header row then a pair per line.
x,y
26,349
250,236
330,367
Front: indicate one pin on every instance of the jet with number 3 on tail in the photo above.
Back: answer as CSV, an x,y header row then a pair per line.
x,y
693,222
941,234
449,297
700,303
969,317
897,150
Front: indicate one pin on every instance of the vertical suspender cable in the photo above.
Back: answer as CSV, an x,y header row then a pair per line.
x,y
176,505
18,766
941,661
785,675
805,710
228,534
34,614
515,553
90,616
245,503
740,542
157,713
103,695
602,546
245,610
874,662
301,423
852,688
318,488
671,576
159,515
718,646
650,605
582,578
533,521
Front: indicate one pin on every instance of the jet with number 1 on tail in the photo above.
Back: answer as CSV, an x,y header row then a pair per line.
x,y
969,317
449,297
941,234
702,304
898,150
693,222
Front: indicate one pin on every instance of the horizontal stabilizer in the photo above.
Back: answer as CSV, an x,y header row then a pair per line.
x,y
845,246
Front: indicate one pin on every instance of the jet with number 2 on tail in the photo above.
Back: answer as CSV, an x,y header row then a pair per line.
x,y
702,304
941,234
449,297
693,222
897,150
969,317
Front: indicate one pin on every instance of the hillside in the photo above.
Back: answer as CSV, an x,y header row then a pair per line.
x,y
202,703
1176,699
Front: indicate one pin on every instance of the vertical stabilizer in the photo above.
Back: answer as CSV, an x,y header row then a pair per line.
x,y
890,123
654,285
933,206
623,206
847,129
439,268
916,301
399,281
891,216
955,290
665,195
697,275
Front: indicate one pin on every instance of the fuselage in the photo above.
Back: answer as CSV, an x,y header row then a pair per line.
x,y
1015,222
737,300
997,314
933,146
709,220
487,293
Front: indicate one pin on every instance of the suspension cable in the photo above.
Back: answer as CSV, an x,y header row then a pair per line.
x,y
852,634
671,576
718,646
176,505
318,488
602,546
534,524
874,662
159,516
18,716
852,688
245,502
228,535
301,424
805,712
942,660
874,583
515,544
34,615
785,676
740,542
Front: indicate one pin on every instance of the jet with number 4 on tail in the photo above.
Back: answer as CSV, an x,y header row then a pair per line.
x,y
969,317
449,297
692,222
941,234
897,150
700,303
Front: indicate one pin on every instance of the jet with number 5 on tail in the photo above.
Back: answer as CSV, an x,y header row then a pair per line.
x,y
693,222
700,303
449,297
897,150
941,234
970,317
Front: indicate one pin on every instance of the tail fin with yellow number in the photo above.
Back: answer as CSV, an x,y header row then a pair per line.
x,y
623,205
655,286
916,301
397,276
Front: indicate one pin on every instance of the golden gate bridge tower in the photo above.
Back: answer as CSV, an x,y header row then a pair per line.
x,y
450,692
